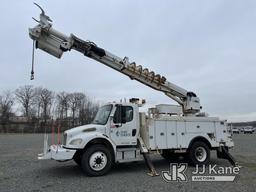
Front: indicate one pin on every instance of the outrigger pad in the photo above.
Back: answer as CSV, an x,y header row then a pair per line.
x,y
223,153
150,165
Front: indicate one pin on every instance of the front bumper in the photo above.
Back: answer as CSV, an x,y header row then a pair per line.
x,y
56,152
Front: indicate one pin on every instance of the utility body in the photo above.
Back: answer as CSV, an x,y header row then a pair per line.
x,y
120,132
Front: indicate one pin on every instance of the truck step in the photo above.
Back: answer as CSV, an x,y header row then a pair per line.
x,y
128,154
126,149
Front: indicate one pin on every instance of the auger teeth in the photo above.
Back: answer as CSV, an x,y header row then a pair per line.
x,y
132,66
150,75
163,79
157,77
139,68
145,72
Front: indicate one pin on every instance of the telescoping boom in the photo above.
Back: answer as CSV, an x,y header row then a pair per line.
x,y
55,43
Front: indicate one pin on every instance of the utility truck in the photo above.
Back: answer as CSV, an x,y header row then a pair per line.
x,y
120,132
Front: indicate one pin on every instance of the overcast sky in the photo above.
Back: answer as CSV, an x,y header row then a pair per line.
x,y
207,47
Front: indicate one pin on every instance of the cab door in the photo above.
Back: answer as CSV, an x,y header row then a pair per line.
x,y
123,126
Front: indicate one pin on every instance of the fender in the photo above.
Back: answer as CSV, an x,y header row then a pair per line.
x,y
203,137
86,138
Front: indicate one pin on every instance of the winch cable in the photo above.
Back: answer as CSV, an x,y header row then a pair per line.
x,y
33,58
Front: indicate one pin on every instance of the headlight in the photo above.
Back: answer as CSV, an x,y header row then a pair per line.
x,y
76,142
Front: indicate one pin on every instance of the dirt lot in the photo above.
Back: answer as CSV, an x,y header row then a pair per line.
x,y
21,171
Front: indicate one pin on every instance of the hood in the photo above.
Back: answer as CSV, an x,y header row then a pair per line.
x,y
85,128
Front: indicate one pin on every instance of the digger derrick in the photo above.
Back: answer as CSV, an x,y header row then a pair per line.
x,y
55,43
125,134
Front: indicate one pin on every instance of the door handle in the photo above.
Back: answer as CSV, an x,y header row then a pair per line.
x,y
134,132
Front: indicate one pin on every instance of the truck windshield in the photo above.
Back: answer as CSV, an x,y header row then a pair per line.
x,y
102,115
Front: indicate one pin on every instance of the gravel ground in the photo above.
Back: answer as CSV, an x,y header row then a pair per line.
x,y
21,171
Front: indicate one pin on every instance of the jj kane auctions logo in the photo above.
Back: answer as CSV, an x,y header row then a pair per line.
x,y
177,172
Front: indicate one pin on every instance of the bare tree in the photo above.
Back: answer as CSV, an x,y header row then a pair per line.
x,y
26,96
6,103
62,100
45,99
87,111
75,101
37,101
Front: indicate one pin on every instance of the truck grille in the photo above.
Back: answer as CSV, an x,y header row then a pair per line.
x,y
64,138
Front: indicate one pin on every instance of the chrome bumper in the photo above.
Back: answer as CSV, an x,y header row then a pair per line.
x,y
56,152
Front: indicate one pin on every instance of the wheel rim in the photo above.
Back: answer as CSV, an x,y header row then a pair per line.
x,y
98,161
200,154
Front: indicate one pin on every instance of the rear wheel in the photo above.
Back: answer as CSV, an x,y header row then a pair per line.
x,y
96,160
199,153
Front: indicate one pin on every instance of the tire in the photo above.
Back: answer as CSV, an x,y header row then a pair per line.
x,y
96,160
199,153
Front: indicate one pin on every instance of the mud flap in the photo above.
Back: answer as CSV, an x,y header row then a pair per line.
x,y
223,153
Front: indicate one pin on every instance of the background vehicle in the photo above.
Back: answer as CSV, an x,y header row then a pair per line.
x,y
120,132
235,130
248,129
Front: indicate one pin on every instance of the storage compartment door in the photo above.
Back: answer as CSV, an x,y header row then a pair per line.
x,y
171,134
160,134
181,135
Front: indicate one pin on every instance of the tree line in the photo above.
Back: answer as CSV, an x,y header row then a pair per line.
x,y
39,107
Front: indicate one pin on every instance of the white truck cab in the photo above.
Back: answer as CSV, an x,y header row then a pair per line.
x,y
118,123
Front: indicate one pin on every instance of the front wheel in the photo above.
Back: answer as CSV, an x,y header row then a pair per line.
x,y
199,153
96,160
